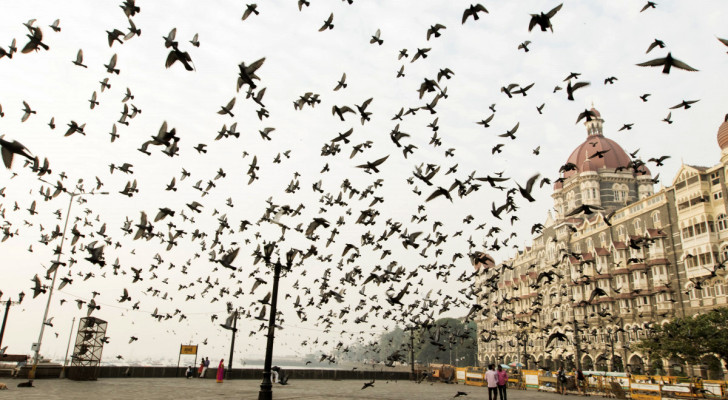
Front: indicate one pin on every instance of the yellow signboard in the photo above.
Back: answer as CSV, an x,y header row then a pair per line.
x,y
188,349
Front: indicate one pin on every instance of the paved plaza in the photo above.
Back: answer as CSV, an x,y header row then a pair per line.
x,y
179,388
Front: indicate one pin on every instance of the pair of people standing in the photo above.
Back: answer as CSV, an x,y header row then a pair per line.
x,y
497,382
204,364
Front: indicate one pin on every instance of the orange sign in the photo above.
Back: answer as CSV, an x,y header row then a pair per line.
x,y
188,349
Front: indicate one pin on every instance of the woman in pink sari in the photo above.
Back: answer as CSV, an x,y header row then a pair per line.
x,y
220,371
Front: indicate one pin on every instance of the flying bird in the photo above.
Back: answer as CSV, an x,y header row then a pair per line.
x,y
328,24
79,59
473,11
667,62
544,20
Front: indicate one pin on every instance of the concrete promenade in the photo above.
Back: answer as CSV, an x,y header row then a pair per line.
x,y
181,388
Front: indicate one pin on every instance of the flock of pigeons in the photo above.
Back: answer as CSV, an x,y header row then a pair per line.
x,y
306,228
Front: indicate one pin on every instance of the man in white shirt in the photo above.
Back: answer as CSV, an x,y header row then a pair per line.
x,y
491,377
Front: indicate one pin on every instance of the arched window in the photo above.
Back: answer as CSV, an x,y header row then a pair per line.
x,y
637,226
656,220
621,233
722,222
570,200
720,288
617,192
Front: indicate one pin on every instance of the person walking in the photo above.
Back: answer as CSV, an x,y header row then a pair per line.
x,y
502,382
561,381
580,381
220,371
491,377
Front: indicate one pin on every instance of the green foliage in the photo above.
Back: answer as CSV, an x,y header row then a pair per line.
x,y
448,340
690,338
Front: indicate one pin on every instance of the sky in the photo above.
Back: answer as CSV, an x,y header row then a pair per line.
x,y
596,39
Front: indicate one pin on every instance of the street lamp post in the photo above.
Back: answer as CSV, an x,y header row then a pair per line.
x,y
266,392
232,343
36,347
8,303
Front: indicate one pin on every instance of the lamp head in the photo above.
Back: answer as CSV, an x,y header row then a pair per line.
x,y
268,250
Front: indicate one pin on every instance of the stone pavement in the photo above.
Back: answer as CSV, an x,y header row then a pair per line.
x,y
183,389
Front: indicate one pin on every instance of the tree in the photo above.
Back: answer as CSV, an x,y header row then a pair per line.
x,y
690,338
447,340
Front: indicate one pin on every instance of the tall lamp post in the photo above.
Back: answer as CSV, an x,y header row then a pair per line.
x,y
36,346
8,303
234,329
265,392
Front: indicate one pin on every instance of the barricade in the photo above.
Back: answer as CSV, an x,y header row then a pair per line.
x,y
530,379
475,376
460,374
547,383
715,389
645,391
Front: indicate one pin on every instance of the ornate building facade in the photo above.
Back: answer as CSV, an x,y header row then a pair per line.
x,y
642,258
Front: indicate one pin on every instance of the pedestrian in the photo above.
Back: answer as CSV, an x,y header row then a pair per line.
x,y
220,371
201,370
580,381
491,377
275,373
205,366
561,381
190,372
502,382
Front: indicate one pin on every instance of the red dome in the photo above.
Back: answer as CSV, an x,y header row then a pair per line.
x,y
614,158
723,134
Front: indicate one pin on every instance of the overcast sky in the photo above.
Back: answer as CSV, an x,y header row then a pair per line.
x,y
597,39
